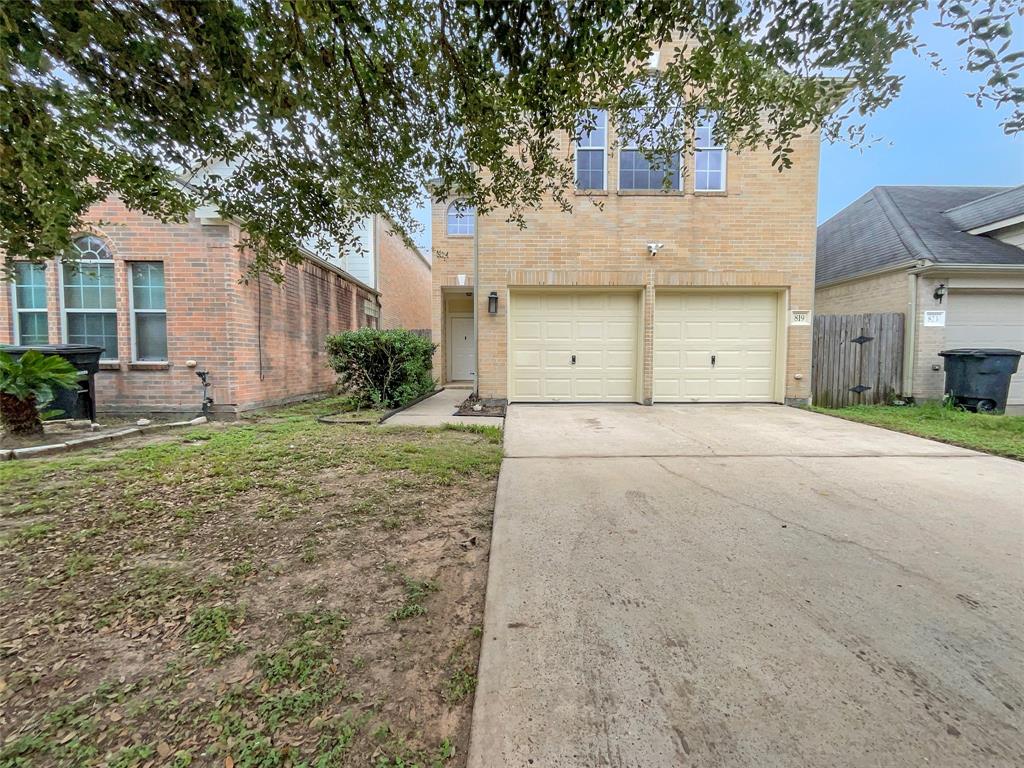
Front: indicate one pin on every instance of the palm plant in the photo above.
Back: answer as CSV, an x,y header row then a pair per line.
x,y
26,386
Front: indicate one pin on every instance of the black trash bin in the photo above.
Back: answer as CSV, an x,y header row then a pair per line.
x,y
979,379
78,403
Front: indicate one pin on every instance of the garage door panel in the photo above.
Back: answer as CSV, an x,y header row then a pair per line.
x,y
600,329
988,319
738,329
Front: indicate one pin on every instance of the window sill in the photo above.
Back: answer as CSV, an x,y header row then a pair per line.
x,y
110,365
149,366
460,237
650,192
710,193
591,192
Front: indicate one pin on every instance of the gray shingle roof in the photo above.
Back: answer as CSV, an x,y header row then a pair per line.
x,y
990,209
889,226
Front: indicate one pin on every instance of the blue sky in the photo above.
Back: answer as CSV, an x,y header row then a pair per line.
x,y
932,134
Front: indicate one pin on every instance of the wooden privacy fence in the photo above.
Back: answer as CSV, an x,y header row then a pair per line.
x,y
858,359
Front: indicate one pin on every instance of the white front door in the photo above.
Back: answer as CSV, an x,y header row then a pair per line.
x,y
460,348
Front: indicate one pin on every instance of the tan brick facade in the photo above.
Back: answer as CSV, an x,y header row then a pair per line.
x,y
404,282
887,292
261,341
760,232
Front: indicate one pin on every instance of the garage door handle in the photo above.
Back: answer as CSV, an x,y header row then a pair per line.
x,y
713,361
574,359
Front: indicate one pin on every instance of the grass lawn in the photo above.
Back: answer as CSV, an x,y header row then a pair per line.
x,y
1001,435
271,593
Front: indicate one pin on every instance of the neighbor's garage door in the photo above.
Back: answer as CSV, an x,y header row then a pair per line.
x,y
548,331
988,320
715,346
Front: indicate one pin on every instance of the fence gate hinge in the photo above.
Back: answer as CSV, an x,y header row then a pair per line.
x,y
862,339
860,389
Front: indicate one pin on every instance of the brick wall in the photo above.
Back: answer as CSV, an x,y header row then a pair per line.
x,y
888,292
404,282
759,233
262,342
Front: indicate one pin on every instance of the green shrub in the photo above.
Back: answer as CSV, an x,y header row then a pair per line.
x,y
386,369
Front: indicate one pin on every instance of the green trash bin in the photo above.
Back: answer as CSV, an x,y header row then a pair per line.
x,y
979,379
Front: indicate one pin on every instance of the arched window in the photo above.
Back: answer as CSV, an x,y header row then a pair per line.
x,y
460,218
90,303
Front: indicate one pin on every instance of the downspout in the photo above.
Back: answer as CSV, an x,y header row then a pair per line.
x,y
476,303
910,337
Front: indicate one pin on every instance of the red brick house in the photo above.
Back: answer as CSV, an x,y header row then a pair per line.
x,y
167,299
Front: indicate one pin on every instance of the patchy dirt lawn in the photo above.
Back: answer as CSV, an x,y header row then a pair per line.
x,y
274,593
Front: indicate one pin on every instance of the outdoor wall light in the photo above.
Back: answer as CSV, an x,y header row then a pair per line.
x,y
939,292
492,303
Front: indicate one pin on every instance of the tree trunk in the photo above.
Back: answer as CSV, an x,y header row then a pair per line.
x,y
19,417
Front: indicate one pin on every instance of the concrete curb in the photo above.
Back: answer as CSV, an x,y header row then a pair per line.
x,y
90,441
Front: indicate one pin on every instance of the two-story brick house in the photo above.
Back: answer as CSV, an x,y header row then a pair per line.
x,y
698,294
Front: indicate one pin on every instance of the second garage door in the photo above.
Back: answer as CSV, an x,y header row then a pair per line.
x,y
715,346
578,346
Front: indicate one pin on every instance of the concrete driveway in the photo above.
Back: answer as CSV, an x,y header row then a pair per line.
x,y
748,586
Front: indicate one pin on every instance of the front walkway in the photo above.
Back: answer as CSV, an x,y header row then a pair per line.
x,y
440,409
748,586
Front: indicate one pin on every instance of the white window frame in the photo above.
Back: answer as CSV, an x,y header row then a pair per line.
x,y
469,213
132,311
720,148
603,149
64,310
17,310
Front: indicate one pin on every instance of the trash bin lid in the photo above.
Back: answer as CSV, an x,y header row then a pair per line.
x,y
51,349
980,352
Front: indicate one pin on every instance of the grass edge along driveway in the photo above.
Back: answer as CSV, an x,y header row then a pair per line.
x,y
1000,435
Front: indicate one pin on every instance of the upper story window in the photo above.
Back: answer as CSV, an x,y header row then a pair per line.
x,y
637,172
590,151
29,292
460,218
149,311
709,159
90,303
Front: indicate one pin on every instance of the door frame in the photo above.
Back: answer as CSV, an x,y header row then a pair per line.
x,y
638,360
781,330
448,342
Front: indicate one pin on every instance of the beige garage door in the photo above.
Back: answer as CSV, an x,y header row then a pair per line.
x,y
988,320
573,346
716,347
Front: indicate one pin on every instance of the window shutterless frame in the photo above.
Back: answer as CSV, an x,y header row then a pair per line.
x,y
135,312
30,279
710,158
593,144
93,255
630,153
460,219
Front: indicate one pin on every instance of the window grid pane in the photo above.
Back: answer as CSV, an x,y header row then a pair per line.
x,y
460,219
96,329
30,286
637,172
148,285
89,285
32,328
590,169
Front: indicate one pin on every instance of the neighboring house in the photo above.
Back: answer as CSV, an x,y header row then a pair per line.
x,y
583,310
950,258
156,296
